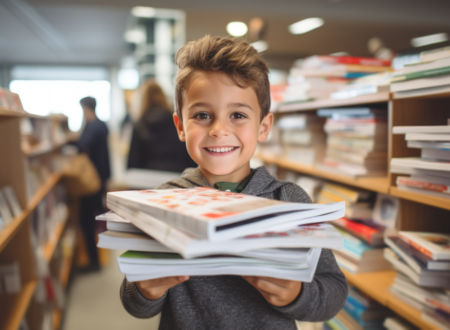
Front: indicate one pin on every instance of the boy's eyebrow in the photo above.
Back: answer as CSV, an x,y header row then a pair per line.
x,y
229,105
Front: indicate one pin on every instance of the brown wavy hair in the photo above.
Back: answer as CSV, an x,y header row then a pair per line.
x,y
152,95
232,56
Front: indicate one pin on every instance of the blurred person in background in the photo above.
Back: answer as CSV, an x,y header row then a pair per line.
x,y
154,140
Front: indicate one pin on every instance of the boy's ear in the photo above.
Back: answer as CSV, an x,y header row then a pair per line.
x,y
179,125
265,126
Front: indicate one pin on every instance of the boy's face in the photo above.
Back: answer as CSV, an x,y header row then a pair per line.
x,y
221,126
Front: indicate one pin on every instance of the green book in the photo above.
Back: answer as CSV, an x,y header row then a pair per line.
x,y
421,74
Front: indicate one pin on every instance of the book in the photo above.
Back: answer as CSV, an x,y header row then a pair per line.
x,y
386,210
354,112
421,129
427,136
421,66
414,258
421,74
435,154
415,182
117,223
434,245
428,144
215,215
426,278
435,54
5,210
418,163
12,201
370,234
318,60
305,236
428,82
139,266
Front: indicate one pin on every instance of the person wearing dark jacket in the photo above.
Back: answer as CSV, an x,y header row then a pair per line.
x,y
154,141
94,142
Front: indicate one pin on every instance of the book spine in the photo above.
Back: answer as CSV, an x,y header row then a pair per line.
x,y
416,245
422,184
361,230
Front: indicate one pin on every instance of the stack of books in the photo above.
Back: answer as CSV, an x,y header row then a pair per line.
x,y
359,312
204,231
318,76
429,173
422,261
430,75
302,138
356,141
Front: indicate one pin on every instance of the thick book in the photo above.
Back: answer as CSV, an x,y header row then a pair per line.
x,y
117,240
139,266
321,235
413,257
434,245
216,215
429,278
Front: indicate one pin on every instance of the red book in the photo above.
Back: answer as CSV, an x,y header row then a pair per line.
x,y
372,235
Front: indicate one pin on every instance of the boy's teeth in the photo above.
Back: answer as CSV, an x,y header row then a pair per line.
x,y
220,149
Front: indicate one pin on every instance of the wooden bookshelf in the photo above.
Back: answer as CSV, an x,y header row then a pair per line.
x,y
377,284
423,198
52,243
11,113
15,311
377,184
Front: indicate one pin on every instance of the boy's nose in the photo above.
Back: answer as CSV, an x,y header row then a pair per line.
x,y
218,129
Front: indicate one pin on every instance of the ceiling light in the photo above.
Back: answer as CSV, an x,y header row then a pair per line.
x,y
237,29
429,39
305,25
143,11
260,45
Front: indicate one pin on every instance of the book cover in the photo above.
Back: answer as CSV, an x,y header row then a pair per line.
x,y
216,215
138,266
434,245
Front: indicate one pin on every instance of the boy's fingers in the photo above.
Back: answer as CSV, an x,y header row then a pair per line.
x,y
156,288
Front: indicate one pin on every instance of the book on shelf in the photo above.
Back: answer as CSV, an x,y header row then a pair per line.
x,y
372,234
427,137
12,201
305,236
434,245
421,66
418,163
352,112
428,145
117,223
434,54
421,83
426,278
423,184
435,154
395,323
433,129
318,60
215,215
421,74
413,257
386,210
5,211
139,266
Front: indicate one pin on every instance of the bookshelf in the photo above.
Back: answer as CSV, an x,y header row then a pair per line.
x,y
34,190
418,211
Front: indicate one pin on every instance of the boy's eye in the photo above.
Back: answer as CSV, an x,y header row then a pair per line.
x,y
238,115
201,115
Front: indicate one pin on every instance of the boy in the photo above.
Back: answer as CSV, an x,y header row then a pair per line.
x,y
222,111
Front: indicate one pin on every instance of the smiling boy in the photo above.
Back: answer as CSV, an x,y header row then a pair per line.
x,y
222,112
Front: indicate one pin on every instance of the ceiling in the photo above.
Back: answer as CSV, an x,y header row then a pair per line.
x,y
91,31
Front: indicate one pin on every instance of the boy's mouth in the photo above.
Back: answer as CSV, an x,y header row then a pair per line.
x,y
220,150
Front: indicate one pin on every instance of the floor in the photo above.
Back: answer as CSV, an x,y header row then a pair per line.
x,y
93,303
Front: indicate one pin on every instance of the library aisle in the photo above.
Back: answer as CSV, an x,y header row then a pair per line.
x,y
93,302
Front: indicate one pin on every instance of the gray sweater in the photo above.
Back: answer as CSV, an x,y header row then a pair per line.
x,y
229,302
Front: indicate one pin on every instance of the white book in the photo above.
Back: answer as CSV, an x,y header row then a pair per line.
x,y
12,201
213,214
139,266
427,136
434,245
441,80
421,129
305,236
418,163
5,211
428,145
435,154
117,223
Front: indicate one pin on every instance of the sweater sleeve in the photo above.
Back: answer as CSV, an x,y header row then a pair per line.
x,y
136,304
325,295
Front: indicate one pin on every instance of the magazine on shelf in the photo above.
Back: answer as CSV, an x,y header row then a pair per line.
x,y
305,236
139,266
434,245
428,278
213,214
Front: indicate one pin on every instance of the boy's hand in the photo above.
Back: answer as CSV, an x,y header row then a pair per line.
x,y
156,288
276,291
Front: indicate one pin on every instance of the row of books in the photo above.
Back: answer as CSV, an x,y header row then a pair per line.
x,y
429,173
9,206
203,231
422,262
10,100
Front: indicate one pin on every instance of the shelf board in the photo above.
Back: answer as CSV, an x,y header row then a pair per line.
x,y
327,103
434,92
378,184
11,113
52,243
436,201
376,285
7,233
14,311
